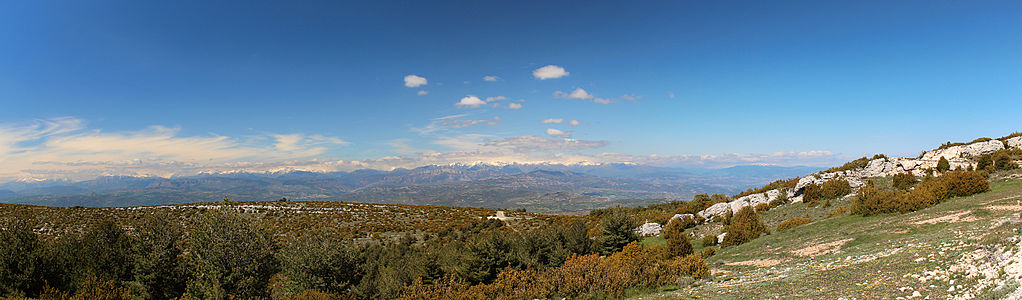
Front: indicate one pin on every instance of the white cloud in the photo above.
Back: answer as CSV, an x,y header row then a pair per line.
x,y
552,121
64,148
422,93
574,123
490,78
630,97
578,93
470,101
497,98
670,95
414,81
549,72
558,133
514,106
603,101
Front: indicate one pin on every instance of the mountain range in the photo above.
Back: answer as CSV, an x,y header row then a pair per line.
x,y
551,188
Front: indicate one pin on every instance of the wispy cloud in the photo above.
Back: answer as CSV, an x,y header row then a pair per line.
x,y
65,148
558,133
491,78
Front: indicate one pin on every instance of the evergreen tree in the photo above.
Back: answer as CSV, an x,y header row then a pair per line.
x,y
943,165
617,232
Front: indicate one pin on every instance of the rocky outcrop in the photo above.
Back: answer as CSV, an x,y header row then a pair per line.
x,y
1015,142
648,229
961,156
964,151
682,217
720,209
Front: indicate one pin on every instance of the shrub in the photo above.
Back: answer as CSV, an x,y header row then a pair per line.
x,y
1002,161
837,212
857,163
20,259
943,165
709,240
230,255
708,251
792,223
830,189
871,201
781,198
677,242
964,183
904,181
762,207
744,226
693,265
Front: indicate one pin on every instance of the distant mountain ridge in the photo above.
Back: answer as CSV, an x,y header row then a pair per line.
x,y
478,185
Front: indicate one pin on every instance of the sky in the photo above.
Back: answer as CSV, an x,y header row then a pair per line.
x,y
176,88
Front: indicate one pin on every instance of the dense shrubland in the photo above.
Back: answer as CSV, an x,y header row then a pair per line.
x,y
222,252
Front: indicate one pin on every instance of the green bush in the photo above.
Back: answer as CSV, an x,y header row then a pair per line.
x,y
792,223
677,242
708,251
930,192
781,199
709,240
694,265
871,201
744,226
943,165
904,181
830,189
230,255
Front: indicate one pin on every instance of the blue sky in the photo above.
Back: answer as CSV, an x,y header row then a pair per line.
x,y
93,88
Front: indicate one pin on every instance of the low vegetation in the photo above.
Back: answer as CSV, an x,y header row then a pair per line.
x,y
931,191
743,227
793,222
830,189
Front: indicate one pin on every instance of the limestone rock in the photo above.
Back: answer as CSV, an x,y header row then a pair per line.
x,y
716,210
963,151
720,237
682,217
648,229
1015,142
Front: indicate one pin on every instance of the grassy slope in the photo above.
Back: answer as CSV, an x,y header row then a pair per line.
x,y
871,257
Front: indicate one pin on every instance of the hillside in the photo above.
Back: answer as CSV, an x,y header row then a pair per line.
x,y
959,249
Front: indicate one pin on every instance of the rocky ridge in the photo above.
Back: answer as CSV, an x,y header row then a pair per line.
x,y
960,156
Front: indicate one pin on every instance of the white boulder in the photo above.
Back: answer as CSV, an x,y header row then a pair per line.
x,y
682,217
648,229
